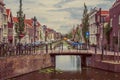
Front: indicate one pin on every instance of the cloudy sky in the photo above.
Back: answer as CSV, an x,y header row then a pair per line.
x,y
60,15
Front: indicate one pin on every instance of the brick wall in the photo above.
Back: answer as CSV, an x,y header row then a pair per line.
x,y
96,62
17,65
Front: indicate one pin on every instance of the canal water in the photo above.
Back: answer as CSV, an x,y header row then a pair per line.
x,y
69,68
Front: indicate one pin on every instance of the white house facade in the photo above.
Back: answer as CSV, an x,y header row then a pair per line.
x,y
93,26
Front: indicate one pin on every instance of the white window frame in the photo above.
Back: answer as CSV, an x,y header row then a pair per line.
x,y
111,21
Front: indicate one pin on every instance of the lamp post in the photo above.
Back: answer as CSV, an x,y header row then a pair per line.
x,y
97,38
3,46
51,46
102,38
46,40
114,45
34,23
87,37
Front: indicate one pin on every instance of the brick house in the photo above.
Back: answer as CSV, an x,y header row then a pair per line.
x,y
97,21
29,31
102,20
115,24
10,26
3,22
93,26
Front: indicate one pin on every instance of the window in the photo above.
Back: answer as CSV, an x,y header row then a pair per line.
x,y
102,19
111,22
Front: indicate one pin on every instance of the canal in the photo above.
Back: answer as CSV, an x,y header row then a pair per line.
x,y
69,68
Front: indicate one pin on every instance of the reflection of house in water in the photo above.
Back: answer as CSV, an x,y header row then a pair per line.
x,y
73,61
78,63
68,63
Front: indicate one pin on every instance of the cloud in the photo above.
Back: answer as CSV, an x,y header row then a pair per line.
x,y
60,15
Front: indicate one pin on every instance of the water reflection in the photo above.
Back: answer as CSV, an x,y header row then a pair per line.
x,y
71,67
68,63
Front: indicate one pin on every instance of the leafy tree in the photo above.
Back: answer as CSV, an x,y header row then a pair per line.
x,y
19,26
70,35
107,30
85,22
78,33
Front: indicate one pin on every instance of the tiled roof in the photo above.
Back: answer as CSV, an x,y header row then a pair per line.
x,y
29,22
104,12
8,12
38,24
116,3
15,19
9,15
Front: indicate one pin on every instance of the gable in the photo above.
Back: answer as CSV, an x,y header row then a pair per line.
x,y
116,3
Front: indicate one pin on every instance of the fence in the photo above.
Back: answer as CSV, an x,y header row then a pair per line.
x,y
19,49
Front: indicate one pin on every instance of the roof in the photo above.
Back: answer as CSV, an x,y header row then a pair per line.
x,y
27,21
15,19
9,15
104,12
116,3
30,22
38,24
8,11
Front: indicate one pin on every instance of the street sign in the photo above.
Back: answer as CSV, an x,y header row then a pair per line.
x,y
87,33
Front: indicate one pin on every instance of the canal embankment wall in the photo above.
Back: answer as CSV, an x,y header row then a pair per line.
x,y
108,63
18,65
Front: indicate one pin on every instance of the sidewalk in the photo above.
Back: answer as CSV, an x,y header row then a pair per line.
x,y
92,50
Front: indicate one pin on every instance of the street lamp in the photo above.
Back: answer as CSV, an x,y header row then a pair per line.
x,y
46,41
35,24
116,50
97,34
102,37
114,45
51,46
97,38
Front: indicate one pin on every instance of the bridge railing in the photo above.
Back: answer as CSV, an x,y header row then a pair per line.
x,y
68,51
19,49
